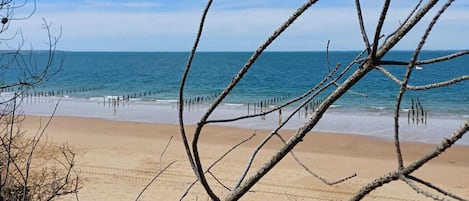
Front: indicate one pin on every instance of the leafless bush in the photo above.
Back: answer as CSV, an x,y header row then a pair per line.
x,y
370,59
29,169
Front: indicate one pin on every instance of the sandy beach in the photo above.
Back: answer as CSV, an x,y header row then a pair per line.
x,y
117,159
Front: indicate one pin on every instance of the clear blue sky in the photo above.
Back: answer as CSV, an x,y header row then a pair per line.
x,y
232,25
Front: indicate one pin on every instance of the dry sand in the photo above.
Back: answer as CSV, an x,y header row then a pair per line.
x,y
117,159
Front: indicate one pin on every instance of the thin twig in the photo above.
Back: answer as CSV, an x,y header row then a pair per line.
x,y
362,26
328,63
430,185
218,181
330,183
152,180
164,151
426,61
421,191
423,87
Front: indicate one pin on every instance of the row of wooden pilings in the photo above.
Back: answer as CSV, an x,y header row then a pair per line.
x,y
116,100
254,108
191,103
33,95
265,105
38,93
59,92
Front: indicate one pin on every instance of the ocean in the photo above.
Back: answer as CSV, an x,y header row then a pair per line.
x,y
147,83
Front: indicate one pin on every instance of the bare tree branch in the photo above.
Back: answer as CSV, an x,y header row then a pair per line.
x,y
362,26
195,168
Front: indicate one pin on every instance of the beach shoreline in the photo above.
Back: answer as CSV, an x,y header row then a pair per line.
x,y
117,158
374,124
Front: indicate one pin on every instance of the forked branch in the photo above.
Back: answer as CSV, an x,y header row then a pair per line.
x,y
391,176
217,161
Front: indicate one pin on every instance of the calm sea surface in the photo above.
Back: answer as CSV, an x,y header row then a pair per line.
x,y
151,80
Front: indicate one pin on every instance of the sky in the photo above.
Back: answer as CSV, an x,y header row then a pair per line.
x,y
232,25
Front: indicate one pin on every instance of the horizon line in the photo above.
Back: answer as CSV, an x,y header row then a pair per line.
x,y
234,51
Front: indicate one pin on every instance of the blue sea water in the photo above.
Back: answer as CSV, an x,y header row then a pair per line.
x,y
152,80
